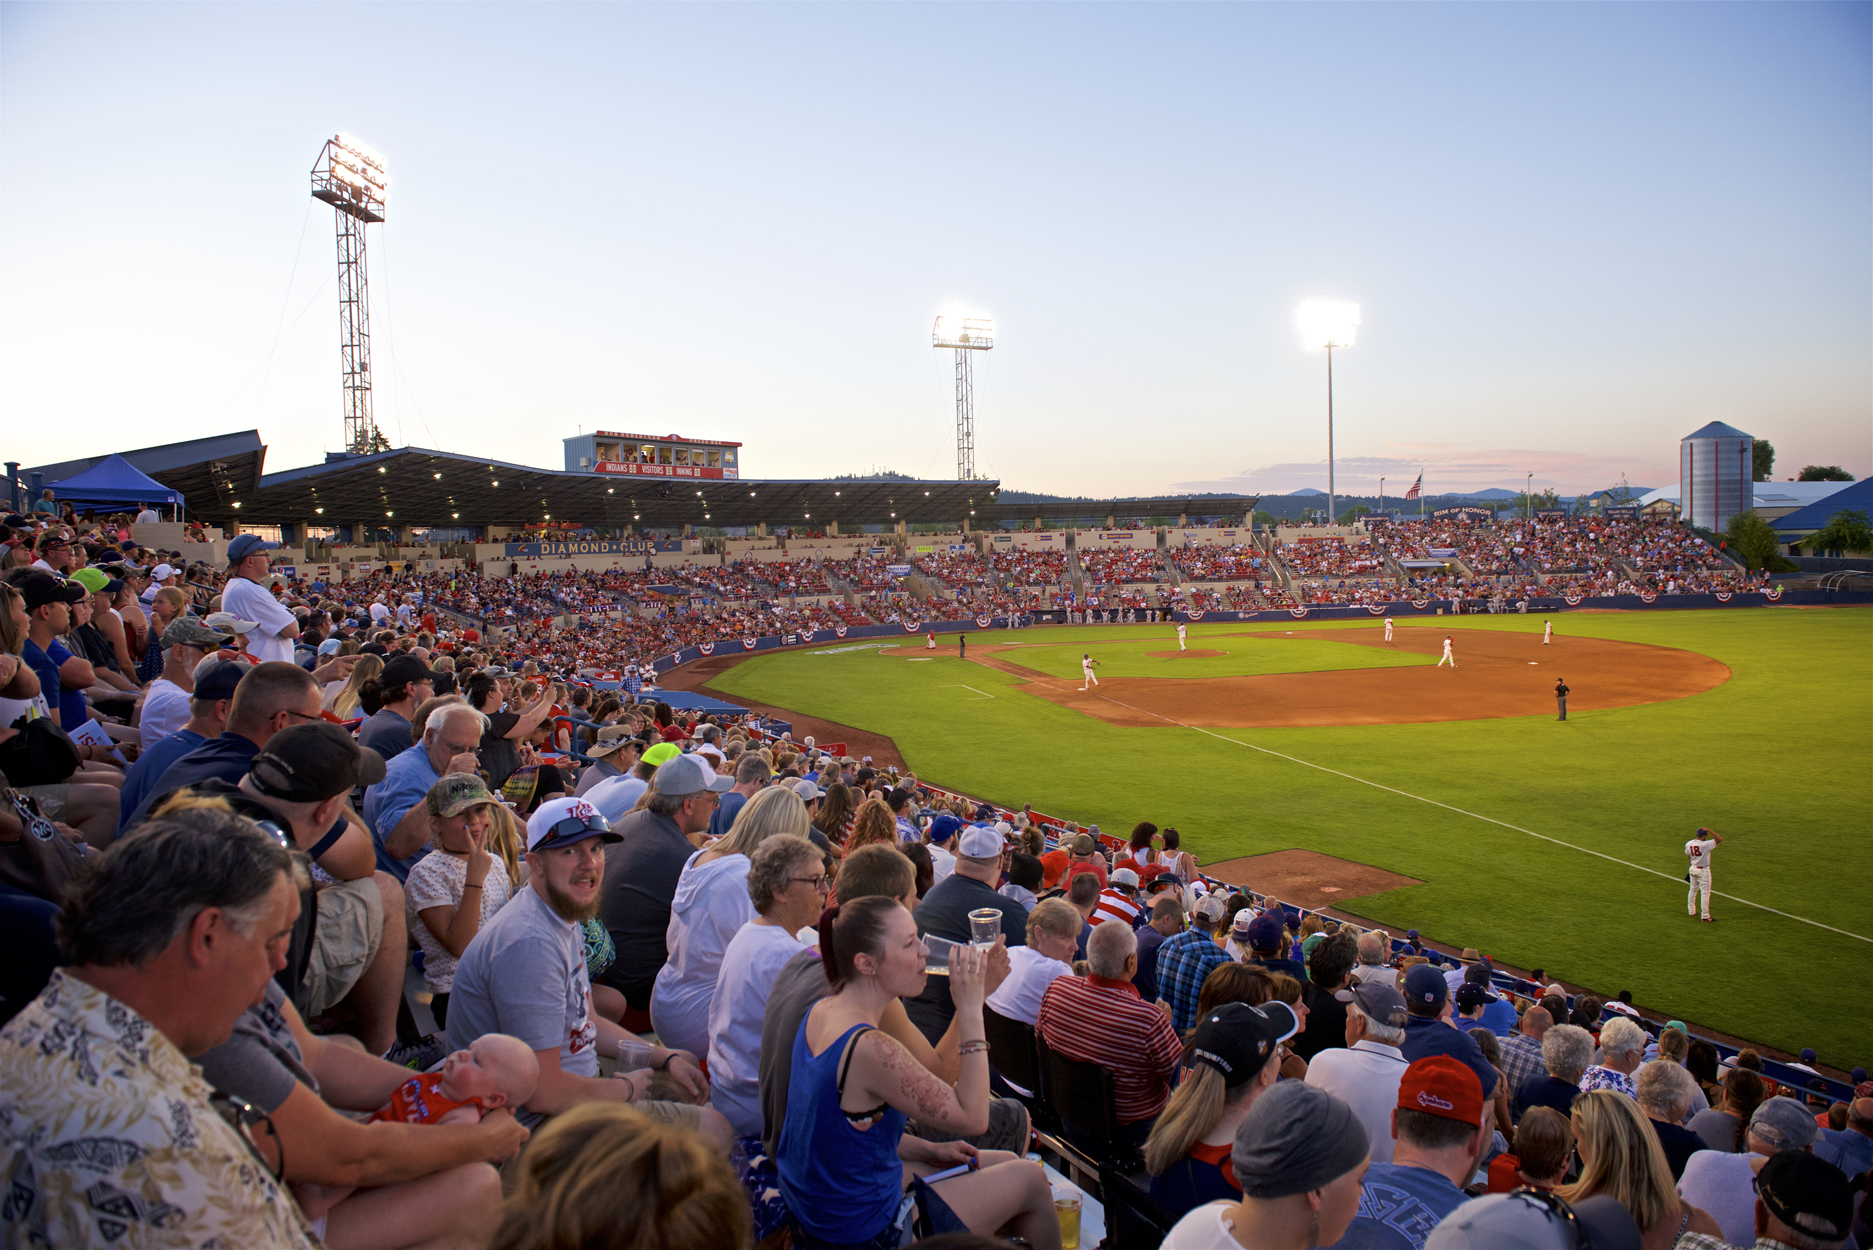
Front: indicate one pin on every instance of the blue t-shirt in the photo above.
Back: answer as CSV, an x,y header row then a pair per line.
x,y
48,674
1398,1208
148,770
73,710
1149,939
1499,1017
225,758
724,814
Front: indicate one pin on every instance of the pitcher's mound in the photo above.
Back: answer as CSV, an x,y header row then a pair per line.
x,y
1307,878
1191,654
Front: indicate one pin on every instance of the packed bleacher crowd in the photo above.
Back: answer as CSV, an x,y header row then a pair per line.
x,y
868,575
1118,567
1030,568
1236,562
1330,557
680,975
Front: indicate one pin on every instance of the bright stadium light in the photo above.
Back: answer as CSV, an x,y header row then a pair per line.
x,y
1327,323
965,335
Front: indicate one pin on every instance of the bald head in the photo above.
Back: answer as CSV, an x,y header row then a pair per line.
x,y
1536,1021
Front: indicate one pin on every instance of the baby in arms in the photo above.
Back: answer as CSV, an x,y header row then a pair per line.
x,y
495,1071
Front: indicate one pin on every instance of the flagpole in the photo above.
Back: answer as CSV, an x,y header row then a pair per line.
x,y
1420,494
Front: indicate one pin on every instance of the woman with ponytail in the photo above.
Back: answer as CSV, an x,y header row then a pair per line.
x,y
845,1161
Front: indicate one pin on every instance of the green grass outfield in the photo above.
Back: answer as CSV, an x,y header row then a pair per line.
x,y
1776,759
1266,652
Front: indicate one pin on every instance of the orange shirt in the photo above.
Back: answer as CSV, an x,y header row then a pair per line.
x,y
418,1101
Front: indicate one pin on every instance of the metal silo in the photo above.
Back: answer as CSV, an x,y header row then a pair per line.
x,y
1714,473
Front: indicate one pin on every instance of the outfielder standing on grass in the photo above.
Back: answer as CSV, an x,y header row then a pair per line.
x,y
1087,665
1698,850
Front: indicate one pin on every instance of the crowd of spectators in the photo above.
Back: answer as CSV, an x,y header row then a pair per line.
x,y
1237,562
1329,557
1030,568
868,575
1118,566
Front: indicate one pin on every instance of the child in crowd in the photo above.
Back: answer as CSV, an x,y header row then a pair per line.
x,y
461,815
495,1071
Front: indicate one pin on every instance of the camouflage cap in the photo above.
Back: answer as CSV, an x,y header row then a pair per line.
x,y
188,632
456,793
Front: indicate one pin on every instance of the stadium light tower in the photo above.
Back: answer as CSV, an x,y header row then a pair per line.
x,y
965,334
350,177
1327,323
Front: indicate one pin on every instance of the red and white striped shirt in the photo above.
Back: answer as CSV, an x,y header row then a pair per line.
x,y
1103,1021
1114,905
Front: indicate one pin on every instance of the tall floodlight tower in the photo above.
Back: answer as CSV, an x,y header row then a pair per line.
x,y
966,335
350,177
1327,323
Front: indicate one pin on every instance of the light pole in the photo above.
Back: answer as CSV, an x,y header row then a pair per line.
x,y
1528,497
1381,496
1327,323
965,334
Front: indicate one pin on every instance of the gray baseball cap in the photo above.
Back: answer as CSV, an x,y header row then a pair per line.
x,y
686,774
1378,1000
1784,1123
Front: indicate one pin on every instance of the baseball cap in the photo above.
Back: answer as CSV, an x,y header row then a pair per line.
x,y
41,588
310,763
1785,1123
1478,973
1245,920
1164,879
944,827
979,842
688,775
1265,933
566,822
164,570
1084,844
1807,1052
1442,1086
1411,934
1516,1221
1237,1039
244,545
1808,1194
807,790
92,579
1124,876
330,646
660,754
1470,997
187,632
1210,907
456,793
1425,986
216,679
1295,1139
404,668
231,623
1378,1000
54,540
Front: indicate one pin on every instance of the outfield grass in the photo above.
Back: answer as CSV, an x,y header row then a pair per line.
x,y
1776,760
1247,654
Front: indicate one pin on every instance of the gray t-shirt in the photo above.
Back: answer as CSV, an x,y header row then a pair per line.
x,y
801,983
261,1063
524,975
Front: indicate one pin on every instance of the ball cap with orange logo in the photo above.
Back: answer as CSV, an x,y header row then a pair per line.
x,y
1442,1086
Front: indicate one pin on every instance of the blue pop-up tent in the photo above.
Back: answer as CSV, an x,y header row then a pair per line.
x,y
115,483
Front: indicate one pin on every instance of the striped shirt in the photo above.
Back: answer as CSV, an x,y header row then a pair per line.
x,y
1115,904
1103,1021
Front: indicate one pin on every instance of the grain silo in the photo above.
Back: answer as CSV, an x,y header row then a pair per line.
x,y
1714,473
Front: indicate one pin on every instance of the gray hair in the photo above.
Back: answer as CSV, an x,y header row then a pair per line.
x,y
1376,1031
1620,1036
1665,1090
1566,1050
1372,951
142,893
443,715
772,866
1110,945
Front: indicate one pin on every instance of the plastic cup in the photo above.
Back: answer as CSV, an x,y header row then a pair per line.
x,y
634,1054
937,961
985,925
1067,1211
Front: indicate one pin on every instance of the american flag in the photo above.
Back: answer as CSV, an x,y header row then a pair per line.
x,y
1415,487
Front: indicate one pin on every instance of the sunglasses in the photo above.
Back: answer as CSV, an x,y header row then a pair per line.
x,y
1554,1204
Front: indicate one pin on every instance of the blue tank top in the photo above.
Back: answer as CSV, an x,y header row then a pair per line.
x,y
843,1184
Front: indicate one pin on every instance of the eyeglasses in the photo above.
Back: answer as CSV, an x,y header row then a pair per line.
x,y
278,834
818,883
301,715
1554,1204
242,1117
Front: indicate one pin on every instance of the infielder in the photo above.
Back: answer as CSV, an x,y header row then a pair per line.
x,y
1388,629
1448,657
1182,629
1547,632
1698,850
1087,665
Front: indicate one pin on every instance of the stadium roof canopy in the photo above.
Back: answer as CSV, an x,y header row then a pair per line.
x,y
205,471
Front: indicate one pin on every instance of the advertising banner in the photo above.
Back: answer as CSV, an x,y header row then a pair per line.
x,y
594,547
634,469
1465,513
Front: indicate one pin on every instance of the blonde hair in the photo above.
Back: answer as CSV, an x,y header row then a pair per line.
x,y
506,839
603,1175
874,823
345,702
1196,1106
1621,1156
1055,916
12,640
775,810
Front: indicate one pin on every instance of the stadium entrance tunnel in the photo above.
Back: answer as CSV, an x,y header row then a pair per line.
x,y
1498,674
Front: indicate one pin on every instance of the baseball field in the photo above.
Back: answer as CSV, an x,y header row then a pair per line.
x,y
1546,844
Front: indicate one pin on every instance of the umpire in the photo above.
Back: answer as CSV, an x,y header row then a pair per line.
x,y
1560,698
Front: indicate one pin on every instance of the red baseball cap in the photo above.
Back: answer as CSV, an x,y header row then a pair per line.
x,y
1442,1086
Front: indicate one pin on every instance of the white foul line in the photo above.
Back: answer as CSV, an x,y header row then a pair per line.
x,y
959,686
1477,815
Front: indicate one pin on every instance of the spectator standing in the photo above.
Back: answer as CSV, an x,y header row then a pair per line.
x,y
1099,1018
945,913
174,932
1186,960
644,865
1365,1075
451,893
1299,1157
1723,1182
247,597
1188,1151
1439,1132
1053,929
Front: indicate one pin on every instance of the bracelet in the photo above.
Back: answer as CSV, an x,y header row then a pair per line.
x,y
471,885
973,1048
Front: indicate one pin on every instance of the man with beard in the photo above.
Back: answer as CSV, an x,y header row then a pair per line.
x,y
524,974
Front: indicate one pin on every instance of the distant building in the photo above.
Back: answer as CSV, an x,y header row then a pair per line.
x,y
1715,467
652,455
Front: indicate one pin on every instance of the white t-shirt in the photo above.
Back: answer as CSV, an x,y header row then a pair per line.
x,y
250,601
165,710
379,614
440,880
1699,850
749,965
942,862
1206,1228
1029,974
147,517
614,797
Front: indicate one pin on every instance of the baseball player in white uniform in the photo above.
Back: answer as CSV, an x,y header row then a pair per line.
x,y
1698,850
929,641
1182,629
1388,629
1547,632
1448,657
1087,665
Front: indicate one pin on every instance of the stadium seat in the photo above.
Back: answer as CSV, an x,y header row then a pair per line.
x,y
1082,1095
1014,1054
1134,1220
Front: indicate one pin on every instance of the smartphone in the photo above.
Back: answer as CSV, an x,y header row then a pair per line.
x,y
961,1169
